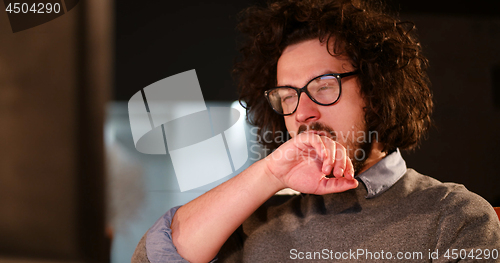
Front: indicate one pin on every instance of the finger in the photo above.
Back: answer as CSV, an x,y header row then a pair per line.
x,y
349,169
313,140
329,159
335,185
340,161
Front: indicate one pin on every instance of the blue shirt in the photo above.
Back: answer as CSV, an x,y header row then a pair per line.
x,y
377,179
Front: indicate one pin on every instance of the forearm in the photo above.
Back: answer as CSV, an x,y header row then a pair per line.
x,y
201,227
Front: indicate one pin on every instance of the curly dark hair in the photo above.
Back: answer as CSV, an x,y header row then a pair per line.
x,y
392,68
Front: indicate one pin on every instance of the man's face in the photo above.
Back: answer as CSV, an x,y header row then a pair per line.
x,y
302,62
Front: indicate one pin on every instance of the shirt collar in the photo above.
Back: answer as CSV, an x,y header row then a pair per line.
x,y
384,174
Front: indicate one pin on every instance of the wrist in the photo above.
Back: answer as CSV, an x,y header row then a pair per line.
x,y
269,178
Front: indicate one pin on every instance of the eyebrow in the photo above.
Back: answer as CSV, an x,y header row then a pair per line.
x,y
309,78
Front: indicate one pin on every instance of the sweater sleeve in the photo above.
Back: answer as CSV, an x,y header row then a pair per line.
x,y
467,223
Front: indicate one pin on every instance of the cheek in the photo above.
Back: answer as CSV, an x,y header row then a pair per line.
x,y
351,109
346,119
291,125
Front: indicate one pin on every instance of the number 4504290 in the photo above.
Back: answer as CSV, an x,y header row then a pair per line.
x,y
38,8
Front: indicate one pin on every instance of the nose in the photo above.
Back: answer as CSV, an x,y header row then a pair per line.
x,y
307,111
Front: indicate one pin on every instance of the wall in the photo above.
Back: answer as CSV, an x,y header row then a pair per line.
x,y
464,146
54,81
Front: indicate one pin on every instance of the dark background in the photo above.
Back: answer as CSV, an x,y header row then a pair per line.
x,y
158,39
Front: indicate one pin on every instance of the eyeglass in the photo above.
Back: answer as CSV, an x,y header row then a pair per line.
x,y
324,90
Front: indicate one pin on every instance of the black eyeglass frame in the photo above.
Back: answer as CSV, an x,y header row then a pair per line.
x,y
338,76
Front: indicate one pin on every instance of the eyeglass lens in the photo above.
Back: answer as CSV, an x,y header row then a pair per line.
x,y
323,90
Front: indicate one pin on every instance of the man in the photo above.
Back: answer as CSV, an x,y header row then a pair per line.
x,y
349,85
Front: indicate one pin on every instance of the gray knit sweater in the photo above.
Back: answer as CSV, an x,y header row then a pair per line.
x,y
418,219
417,214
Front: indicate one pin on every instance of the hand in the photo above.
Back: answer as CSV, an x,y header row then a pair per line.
x,y
303,163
